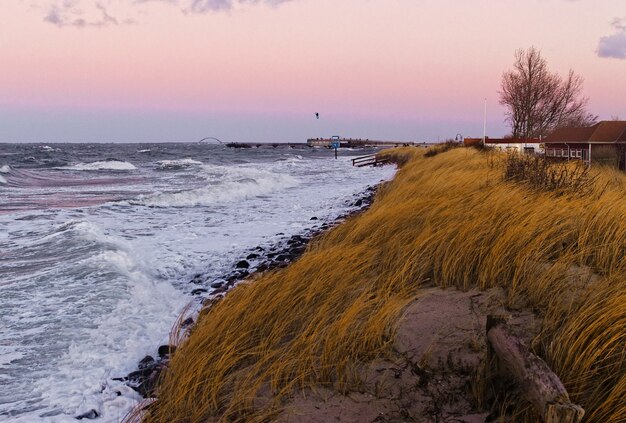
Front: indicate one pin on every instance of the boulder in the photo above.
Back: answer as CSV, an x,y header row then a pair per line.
x,y
146,362
166,350
90,415
243,264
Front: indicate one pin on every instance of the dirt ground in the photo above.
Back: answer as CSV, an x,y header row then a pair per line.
x,y
431,375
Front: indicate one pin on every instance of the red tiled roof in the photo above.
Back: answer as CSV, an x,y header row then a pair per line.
x,y
602,132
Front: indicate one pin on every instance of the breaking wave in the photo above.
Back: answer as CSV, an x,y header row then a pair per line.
x,y
224,184
177,164
102,165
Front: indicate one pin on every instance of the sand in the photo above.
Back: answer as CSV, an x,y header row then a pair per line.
x,y
430,375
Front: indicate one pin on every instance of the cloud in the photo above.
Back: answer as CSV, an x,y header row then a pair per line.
x,y
69,13
92,13
614,45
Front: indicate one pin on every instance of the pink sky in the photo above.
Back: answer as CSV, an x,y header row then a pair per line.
x,y
160,70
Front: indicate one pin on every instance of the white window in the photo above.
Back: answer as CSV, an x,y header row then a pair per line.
x,y
578,153
557,152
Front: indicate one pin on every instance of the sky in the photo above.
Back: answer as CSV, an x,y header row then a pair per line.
x,y
259,70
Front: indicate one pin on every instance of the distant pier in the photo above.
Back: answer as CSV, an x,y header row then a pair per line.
x,y
358,142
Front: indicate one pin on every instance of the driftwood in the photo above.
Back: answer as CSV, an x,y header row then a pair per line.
x,y
510,359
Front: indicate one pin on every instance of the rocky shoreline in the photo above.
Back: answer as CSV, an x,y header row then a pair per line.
x,y
145,379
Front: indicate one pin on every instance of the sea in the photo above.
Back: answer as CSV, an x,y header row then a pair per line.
x,y
99,242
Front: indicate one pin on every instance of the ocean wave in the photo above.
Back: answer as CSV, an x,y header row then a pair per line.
x,y
48,148
2,180
177,164
102,165
146,150
5,169
225,184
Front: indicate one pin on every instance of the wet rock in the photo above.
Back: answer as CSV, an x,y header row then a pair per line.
x,y
243,264
186,323
166,350
280,233
145,381
198,291
146,362
294,241
259,248
243,274
314,218
90,415
358,203
252,256
217,284
262,267
220,290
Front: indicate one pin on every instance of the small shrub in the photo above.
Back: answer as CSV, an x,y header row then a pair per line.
x,y
442,148
543,175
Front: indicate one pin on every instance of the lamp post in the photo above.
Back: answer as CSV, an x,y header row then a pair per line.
x,y
485,124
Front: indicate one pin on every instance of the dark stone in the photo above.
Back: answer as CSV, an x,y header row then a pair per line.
x,y
271,255
243,274
187,322
252,256
243,264
147,383
146,362
262,267
91,414
282,257
166,350
259,248
314,218
297,240
358,203
280,233
217,284
220,290
198,291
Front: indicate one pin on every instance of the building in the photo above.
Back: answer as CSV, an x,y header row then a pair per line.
x,y
602,143
520,145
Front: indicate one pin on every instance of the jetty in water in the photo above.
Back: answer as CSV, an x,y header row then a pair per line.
x,y
358,142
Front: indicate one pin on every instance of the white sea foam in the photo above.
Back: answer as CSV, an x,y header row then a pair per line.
x,y
103,165
5,169
2,180
146,150
224,184
177,164
138,310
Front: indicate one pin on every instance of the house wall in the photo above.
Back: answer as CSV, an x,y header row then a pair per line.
x,y
519,147
611,154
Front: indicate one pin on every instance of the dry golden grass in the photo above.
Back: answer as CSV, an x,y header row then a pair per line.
x,y
450,220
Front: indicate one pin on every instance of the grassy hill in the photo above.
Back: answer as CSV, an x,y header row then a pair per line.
x,y
450,220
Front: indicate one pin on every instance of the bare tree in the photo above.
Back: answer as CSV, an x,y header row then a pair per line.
x,y
539,101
